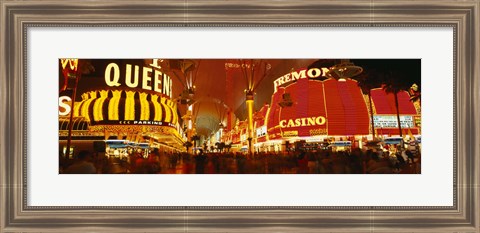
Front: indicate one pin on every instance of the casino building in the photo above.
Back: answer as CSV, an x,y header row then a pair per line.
x,y
307,111
123,113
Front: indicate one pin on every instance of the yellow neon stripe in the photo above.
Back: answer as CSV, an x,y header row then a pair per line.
x,y
168,114
145,109
113,105
76,109
130,106
174,111
93,96
96,114
98,106
158,108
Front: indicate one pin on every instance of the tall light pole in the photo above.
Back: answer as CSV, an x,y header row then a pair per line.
x,y
189,124
71,70
250,102
254,71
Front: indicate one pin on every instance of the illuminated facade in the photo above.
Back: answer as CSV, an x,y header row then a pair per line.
x,y
305,108
132,104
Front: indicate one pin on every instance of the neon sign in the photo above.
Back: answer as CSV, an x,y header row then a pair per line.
x,y
150,79
391,121
64,103
296,75
306,121
72,64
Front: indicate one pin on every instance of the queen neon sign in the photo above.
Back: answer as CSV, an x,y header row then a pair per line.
x,y
134,76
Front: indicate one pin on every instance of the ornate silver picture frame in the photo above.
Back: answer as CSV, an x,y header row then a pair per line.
x,y
17,16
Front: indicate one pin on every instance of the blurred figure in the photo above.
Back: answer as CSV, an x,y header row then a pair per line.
x,y
302,163
312,163
378,166
82,165
153,162
140,165
200,160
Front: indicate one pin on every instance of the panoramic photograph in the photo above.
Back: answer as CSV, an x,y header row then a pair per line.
x,y
239,116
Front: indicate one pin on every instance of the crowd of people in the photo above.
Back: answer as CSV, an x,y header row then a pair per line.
x,y
355,161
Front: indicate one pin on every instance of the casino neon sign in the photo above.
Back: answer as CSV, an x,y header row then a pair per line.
x,y
305,121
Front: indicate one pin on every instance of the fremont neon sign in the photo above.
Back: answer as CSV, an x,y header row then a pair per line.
x,y
306,121
296,75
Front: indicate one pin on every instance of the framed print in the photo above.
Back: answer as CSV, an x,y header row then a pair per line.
x,y
239,116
